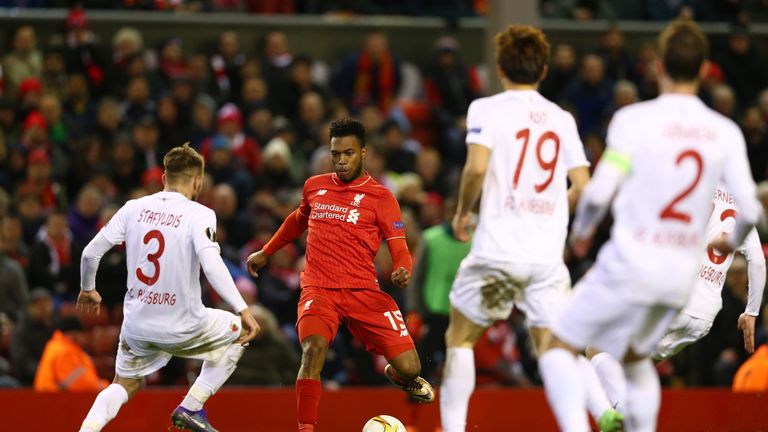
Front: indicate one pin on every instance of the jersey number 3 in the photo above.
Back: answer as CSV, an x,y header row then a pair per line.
x,y
152,257
546,165
669,212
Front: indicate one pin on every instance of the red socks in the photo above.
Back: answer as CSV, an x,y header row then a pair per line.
x,y
308,403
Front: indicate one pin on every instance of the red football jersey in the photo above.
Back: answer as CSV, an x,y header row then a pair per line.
x,y
347,222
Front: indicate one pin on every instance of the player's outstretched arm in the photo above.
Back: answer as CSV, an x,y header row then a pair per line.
x,y
752,250
469,190
579,177
217,274
89,300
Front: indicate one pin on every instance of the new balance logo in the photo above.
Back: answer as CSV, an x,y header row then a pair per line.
x,y
322,192
358,198
308,304
353,216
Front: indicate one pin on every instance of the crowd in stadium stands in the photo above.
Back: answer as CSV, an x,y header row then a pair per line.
x,y
84,126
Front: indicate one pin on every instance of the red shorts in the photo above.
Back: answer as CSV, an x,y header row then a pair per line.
x,y
372,316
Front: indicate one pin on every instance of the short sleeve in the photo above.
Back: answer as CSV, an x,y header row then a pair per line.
x,y
478,130
204,230
114,230
389,219
573,148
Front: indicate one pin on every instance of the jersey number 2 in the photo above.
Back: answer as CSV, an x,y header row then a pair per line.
x,y
669,212
544,164
153,257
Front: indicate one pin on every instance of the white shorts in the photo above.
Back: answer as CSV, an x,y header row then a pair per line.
x,y
137,358
684,330
485,291
599,316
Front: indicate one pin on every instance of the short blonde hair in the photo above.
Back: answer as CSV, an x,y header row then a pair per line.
x,y
183,162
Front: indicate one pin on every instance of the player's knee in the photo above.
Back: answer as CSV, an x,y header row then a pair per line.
x,y
130,385
313,349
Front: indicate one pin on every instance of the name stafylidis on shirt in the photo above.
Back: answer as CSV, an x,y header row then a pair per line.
x,y
159,218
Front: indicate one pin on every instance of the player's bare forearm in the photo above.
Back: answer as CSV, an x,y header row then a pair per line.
x,y
579,177
472,178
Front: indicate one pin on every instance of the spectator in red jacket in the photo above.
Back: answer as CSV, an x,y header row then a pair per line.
x,y
243,147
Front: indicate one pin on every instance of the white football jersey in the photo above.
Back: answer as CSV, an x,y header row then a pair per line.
x,y
524,205
706,299
163,235
677,150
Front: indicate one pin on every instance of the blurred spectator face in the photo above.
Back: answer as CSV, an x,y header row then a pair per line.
x,y
428,164
311,108
592,69
145,135
30,97
89,202
53,63
224,201
376,45
206,192
34,131
229,128
260,121
624,93
753,119
123,153
565,57
251,69
254,90
202,116
301,74
30,208
127,42
166,111
106,214
228,44
431,210
197,68
723,100
739,43
39,171
50,108
371,118
7,117
24,41
10,232
41,309
108,114
393,138
172,51
221,157
182,91
762,102
613,39
137,91
276,45
57,225
77,87
374,163
136,67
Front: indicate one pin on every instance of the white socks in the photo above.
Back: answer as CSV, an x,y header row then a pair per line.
x,y
565,389
612,378
104,408
597,402
643,396
456,388
212,377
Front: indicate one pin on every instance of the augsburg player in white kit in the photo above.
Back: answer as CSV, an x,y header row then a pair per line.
x,y
663,161
522,149
168,237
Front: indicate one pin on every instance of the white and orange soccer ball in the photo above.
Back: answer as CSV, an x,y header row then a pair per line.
x,y
383,423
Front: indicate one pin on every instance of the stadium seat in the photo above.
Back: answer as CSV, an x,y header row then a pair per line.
x,y
104,340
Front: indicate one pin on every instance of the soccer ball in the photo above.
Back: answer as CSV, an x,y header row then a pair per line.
x,y
383,423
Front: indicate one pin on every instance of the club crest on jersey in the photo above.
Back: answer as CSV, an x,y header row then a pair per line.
x,y
308,304
322,192
358,198
211,234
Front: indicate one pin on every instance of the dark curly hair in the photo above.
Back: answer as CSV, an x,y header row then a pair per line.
x,y
348,127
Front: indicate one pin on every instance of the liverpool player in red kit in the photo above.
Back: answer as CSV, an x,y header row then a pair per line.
x,y
347,213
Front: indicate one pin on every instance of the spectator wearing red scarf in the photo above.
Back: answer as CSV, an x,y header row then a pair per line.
x,y
51,263
370,76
